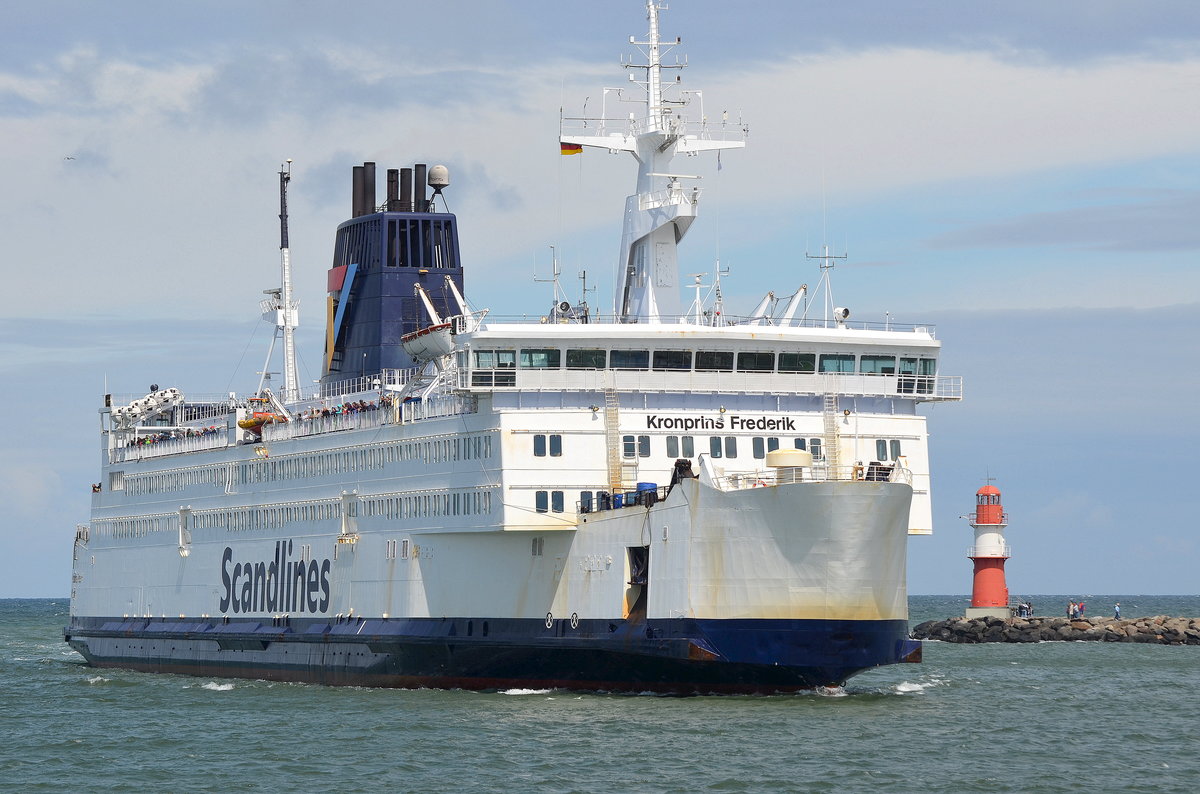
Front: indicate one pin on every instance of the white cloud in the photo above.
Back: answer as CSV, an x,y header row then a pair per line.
x,y
168,207
889,119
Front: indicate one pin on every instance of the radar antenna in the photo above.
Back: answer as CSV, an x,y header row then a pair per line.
x,y
827,262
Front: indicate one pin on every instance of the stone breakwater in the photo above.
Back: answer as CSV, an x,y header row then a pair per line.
x,y
1160,630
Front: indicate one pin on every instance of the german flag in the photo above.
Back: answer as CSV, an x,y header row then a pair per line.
x,y
570,148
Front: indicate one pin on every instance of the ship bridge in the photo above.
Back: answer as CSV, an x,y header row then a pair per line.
x,y
899,362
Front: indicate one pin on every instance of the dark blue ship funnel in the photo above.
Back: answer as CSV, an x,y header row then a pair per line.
x,y
379,257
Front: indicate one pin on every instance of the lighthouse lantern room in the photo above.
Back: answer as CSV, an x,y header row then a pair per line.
x,y
989,592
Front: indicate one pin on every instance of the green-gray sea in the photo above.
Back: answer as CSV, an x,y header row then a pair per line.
x,y
1045,717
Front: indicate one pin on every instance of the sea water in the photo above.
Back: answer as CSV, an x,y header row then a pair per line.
x,y
1044,717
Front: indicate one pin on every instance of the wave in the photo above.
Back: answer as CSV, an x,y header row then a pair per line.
x,y
215,687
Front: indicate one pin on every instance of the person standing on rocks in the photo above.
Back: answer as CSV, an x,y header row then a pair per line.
x,y
1081,608
1117,611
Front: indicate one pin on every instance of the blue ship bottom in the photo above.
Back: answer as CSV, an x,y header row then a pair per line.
x,y
677,656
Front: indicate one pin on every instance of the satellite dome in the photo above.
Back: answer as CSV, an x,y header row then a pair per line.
x,y
439,177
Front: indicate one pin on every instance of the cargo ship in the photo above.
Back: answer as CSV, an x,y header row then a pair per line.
x,y
660,498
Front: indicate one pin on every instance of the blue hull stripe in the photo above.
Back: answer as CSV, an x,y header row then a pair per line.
x,y
680,656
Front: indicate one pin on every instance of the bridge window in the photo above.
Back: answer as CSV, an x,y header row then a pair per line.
x,y
714,446
486,364
814,446
916,375
547,358
837,362
630,359
638,446
541,501
672,359
731,446
495,359
587,358
556,501
797,362
756,362
877,365
714,361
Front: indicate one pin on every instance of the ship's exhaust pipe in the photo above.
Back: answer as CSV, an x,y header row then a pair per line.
x,y
406,190
419,189
393,190
368,197
356,191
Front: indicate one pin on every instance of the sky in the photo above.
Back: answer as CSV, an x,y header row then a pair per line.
x,y
1022,175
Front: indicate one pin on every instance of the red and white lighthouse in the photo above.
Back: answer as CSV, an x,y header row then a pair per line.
x,y
989,593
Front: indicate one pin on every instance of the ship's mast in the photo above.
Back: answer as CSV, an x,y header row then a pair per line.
x,y
661,211
289,315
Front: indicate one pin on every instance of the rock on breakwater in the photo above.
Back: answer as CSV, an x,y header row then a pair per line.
x,y
1160,630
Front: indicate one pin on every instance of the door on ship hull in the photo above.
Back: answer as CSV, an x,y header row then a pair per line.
x,y
637,570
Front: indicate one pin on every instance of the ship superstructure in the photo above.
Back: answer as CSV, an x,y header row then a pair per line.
x,y
664,499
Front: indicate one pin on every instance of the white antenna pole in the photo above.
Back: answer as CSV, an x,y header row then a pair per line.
x,y
291,382
654,103
554,274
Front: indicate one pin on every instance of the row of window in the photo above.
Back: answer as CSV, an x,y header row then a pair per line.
x,y
391,548
548,501
396,507
453,503
726,446
289,467
704,361
140,527
234,520
540,446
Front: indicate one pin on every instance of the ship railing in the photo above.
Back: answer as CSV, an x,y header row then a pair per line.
x,y
723,320
920,387
203,412
668,198
362,384
818,472
301,426
169,446
723,130
437,406
649,494
376,415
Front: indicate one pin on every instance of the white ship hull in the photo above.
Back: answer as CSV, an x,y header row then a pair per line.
x,y
816,567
